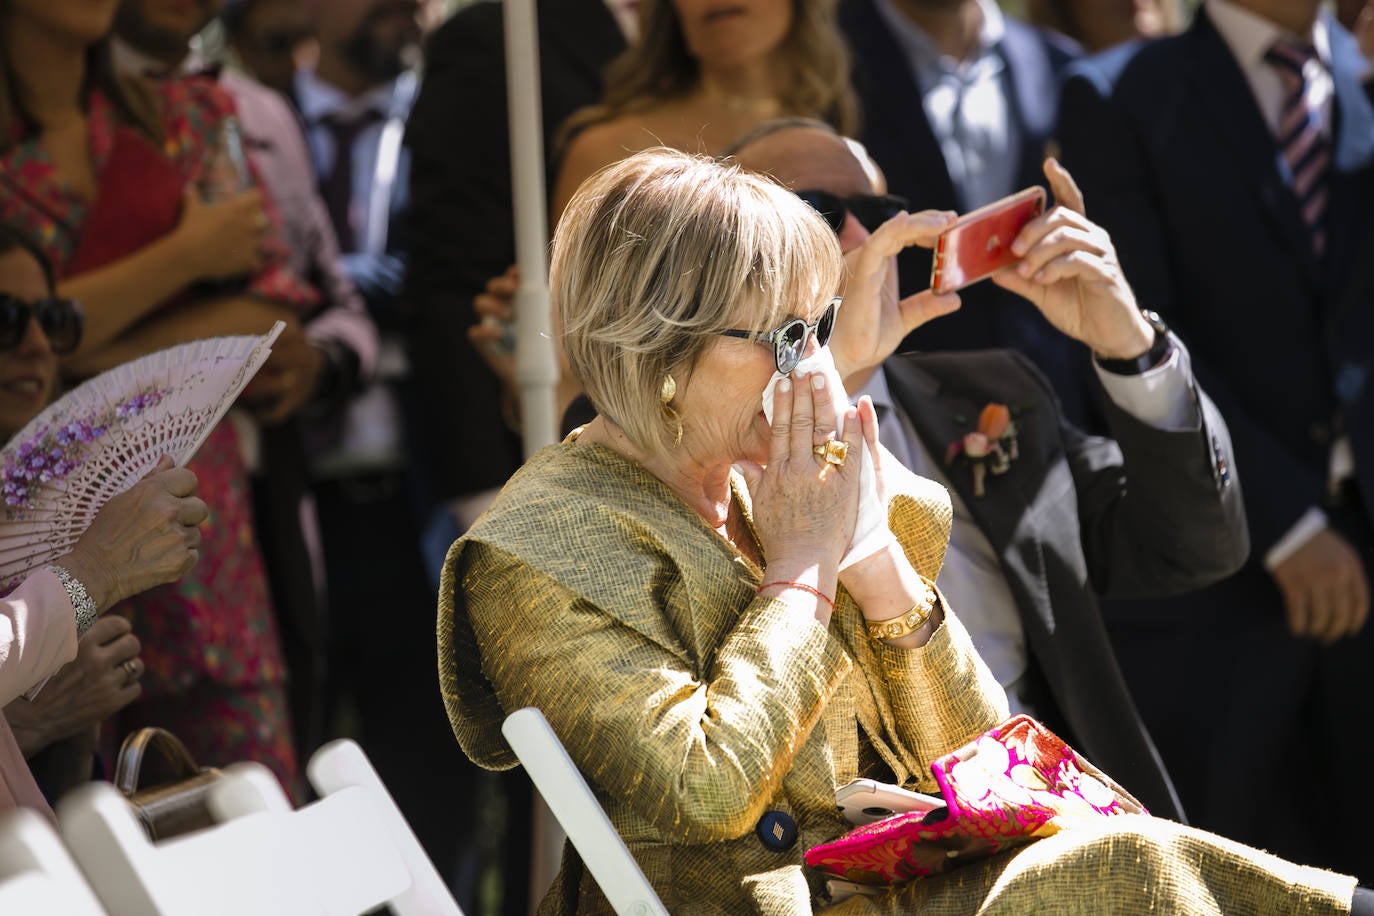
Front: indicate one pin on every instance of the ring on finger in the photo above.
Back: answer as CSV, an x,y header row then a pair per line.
x,y
131,672
834,452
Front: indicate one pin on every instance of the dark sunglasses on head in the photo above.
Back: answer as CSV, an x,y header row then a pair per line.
x,y
789,339
871,210
62,320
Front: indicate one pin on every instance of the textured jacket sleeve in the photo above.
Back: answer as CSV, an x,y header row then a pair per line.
x,y
696,751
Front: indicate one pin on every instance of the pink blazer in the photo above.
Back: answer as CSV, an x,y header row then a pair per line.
x,y
37,637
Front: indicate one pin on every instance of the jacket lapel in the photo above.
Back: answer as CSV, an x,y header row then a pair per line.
x,y
1218,82
940,418
1006,513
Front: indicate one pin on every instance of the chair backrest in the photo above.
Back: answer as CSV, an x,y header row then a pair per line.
x,y
579,814
341,766
36,873
325,858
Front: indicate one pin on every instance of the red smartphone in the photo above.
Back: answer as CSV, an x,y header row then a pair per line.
x,y
979,243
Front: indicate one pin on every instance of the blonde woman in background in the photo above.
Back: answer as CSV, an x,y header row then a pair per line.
x,y
700,76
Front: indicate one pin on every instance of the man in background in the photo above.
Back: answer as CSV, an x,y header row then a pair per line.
x,y
1234,167
960,103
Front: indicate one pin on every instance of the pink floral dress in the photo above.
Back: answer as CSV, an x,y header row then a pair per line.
x,y
215,674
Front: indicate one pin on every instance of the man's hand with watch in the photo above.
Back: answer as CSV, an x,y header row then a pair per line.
x,y
1069,271
1160,349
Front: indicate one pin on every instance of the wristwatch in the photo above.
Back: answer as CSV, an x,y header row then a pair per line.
x,y
1159,351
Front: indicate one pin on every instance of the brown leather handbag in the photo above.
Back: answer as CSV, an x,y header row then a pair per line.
x,y
164,785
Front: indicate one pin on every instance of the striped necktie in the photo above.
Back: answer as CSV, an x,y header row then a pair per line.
x,y
1300,139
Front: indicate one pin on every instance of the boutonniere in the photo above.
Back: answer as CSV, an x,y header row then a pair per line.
x,y
991,448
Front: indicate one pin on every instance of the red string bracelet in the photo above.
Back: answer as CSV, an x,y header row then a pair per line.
x,y
804,587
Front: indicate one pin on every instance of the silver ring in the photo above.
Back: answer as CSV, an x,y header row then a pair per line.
x,y
130,667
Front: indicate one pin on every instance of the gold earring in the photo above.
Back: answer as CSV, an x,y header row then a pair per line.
x,y
666,392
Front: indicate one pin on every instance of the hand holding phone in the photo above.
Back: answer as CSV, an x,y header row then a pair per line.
x,y
979,243
864,801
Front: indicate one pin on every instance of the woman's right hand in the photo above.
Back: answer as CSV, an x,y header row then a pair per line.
x,y
148,535
805,509
223,239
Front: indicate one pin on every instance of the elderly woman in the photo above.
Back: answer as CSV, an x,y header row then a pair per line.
x,y
674,584
142,538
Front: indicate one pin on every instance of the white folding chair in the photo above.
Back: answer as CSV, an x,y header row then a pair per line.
x,y
580,815
36,873
341,766
326,858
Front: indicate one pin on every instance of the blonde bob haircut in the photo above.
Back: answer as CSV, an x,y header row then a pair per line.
x,y
656,255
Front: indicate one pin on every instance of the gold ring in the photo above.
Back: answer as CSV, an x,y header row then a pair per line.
x,y
835,451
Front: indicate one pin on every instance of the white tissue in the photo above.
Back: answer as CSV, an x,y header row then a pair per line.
x,y
871,533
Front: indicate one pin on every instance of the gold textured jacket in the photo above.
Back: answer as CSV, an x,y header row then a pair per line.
x,y
694,707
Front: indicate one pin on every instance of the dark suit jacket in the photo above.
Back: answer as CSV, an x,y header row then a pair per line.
x,y
462,228
1078,516
899,137
1178,164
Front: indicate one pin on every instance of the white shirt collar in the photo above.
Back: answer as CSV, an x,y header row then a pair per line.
x,y
917,44
1250,35
318,99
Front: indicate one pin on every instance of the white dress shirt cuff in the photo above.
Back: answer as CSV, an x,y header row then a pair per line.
x,y
1161,397
1311,522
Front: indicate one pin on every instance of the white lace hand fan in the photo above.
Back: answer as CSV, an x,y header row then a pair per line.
x,y
103,436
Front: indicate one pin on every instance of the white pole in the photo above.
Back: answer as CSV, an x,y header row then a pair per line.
x,y
536,360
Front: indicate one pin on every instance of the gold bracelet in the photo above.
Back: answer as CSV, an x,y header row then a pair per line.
x,y
910,622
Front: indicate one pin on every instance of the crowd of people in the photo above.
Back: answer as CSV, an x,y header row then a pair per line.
x,y
1167,564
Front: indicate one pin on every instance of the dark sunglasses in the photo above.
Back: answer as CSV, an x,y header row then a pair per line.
x,y
62,320
789,340
870,210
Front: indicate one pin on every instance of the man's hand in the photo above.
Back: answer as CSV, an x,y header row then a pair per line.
x,y
873,321
1069,270
289,379
1324,589
100,681
491,336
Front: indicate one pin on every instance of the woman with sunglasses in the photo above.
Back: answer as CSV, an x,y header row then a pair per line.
x,y
120,183
715,624
649,598
145,537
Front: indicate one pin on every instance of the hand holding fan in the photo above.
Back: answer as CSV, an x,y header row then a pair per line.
x,y
102,437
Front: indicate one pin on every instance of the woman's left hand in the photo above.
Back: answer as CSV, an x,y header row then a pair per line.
x,y
1069,270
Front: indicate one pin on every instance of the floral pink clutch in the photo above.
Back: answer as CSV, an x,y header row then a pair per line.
x,y
1013,784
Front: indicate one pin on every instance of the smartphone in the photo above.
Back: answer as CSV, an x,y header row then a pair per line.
x,y
838,889
864,801
979,243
